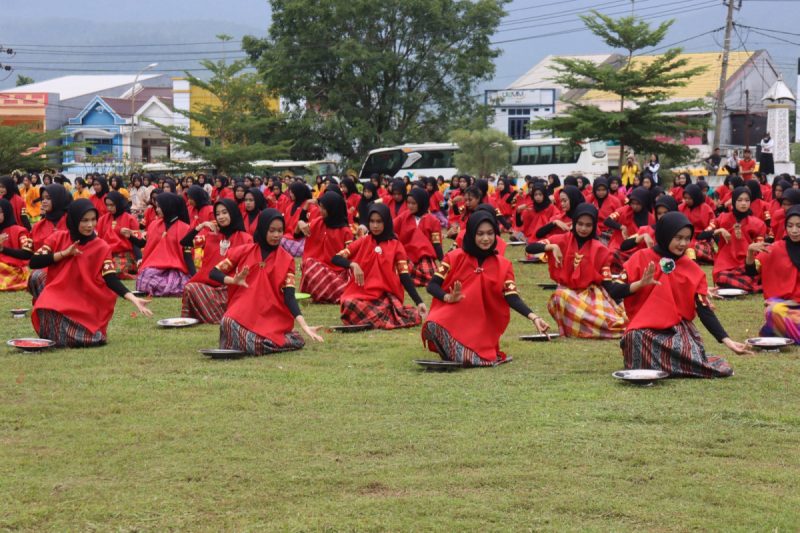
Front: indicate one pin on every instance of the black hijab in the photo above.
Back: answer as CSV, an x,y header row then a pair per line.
x,y
120,203
574,195
423,200
791,195
75,213
544,204
265,218
475,220
696,194
364,203
666,228
103,188
260,203
398,186
737,192
755,189
601,182
585,210
666,201
336,208
198,195
571,181
793,248
350,186
641,195
388,226
551,187
8,214
169,186
507,191
237,222
10,185
172,207
60,200
783,184
301,194
483,186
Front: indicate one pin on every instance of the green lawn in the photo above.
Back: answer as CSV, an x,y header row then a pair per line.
x,y
147,434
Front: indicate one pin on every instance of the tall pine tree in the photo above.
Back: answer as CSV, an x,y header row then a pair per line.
x,y
646,110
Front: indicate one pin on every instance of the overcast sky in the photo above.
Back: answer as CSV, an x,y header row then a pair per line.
x,y
52,35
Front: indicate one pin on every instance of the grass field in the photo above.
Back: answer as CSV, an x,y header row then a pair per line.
x,y
145,434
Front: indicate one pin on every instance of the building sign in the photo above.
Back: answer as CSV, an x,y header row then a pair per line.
x,y
520,97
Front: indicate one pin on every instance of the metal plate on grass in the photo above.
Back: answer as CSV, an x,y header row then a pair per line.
x,y
438,365
181,322
539,337
350,329
640,376
219,353
31,344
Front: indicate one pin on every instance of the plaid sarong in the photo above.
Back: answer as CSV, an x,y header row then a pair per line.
x,y
439,340
161,281
323,284
384,313
204,302
125,265
234,336
294,247
678,350
13,278
782,319
587,314
422,272
65,332
704,252
36,283
736,278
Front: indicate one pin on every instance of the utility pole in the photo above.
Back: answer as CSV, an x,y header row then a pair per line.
x,y
723,75
747,118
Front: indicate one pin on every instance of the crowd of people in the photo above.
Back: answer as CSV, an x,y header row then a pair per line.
x,y
624,253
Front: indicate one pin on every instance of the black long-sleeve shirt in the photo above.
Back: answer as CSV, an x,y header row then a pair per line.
x,y
188,259
514,301
17,253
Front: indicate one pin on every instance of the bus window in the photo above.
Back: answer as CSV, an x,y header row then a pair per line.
x,y
546,155
433,159
528,155
566,154
387,162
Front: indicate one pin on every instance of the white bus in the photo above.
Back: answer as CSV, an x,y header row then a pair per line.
x,y
534,157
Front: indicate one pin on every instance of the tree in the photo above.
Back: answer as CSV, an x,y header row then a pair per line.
x,y
24,80
239,127
482,152
22,147
642,87
371,74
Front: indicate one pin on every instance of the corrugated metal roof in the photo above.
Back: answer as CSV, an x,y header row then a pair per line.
x,y
539,77
700,86
73,86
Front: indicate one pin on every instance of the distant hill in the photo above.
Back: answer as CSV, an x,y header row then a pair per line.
x,y
67,52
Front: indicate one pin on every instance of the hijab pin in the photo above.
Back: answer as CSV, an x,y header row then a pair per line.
x,y
667,265
479,270
378,250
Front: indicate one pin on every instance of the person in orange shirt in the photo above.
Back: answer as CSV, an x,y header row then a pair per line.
x,y
30,193
747,165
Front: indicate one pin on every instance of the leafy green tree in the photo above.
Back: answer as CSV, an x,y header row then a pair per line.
x,y
642,87
239,129
371,74
22,79
482,152
22,147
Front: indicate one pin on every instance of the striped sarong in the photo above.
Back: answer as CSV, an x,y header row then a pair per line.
x,y
65,332
234,336
13,278
439,340
678,350
204,302
125,265
587,314
422,272
161,281
294,247
387,312
36,283
782,319
736,278
704,252
325,285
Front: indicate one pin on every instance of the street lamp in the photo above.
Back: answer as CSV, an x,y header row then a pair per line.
x,y
133,94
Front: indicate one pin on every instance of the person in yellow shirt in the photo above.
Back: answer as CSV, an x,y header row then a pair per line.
x,y
628,171
30,193
118,184
81,190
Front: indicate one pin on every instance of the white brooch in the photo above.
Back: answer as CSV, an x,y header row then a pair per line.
x,y
223,246
378,250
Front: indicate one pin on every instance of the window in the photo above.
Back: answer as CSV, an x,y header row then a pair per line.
x,y
528,155
433,159
386,162
518,128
